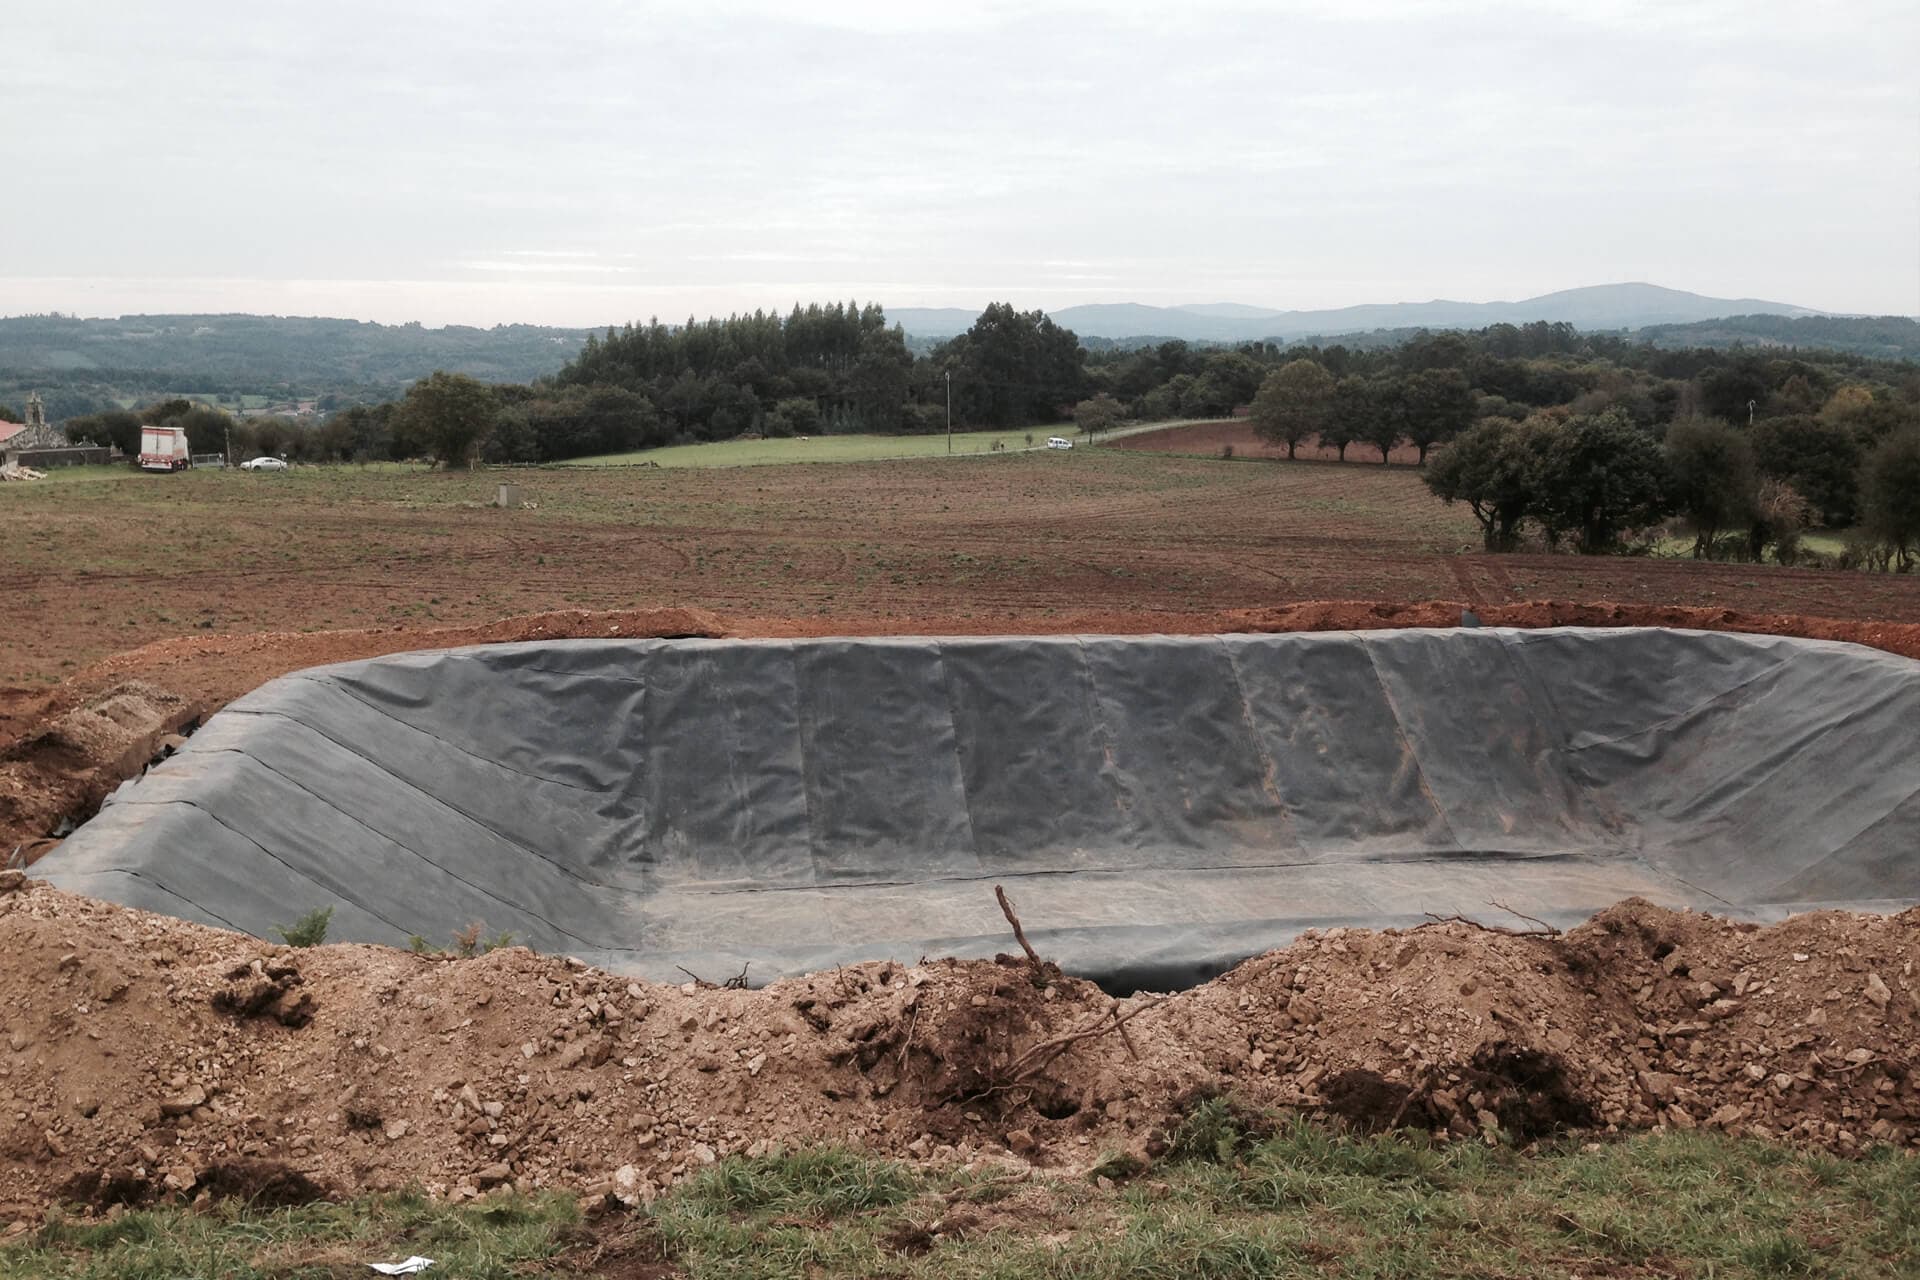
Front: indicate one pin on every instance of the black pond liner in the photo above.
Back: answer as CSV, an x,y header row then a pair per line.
x,y
1158,807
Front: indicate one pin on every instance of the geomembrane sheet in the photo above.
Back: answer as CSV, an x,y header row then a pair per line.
x,y
1159,807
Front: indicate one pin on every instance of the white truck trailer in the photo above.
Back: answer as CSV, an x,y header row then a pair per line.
x,y
164,449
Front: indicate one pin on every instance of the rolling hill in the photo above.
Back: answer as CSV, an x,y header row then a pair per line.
x,y
1607,306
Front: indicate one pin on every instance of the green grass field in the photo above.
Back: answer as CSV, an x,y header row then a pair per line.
x,y
1826,544
1300,1203
754,453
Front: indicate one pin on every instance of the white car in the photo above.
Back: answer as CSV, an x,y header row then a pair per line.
x,y
264,464
1059,442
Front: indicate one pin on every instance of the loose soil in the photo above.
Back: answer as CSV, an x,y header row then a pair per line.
x,y
139,1061
1011,544
142,1057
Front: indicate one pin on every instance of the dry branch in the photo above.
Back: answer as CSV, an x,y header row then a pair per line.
x,y
1041,1055
1019,934
738,982
1544,930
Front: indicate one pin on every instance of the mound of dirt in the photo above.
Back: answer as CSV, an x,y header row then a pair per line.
x,y
64,767
144,1056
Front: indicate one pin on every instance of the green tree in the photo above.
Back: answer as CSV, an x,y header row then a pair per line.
x,y
271,434
449,414
795,416
1227,380
1606,477
10,414
1385,423
512,437
365,434
1207,395
1495,467
1820,459
877,384
577,422
161,410
1440,405
1295,401
1098,413
1778,518
1347,415
206,429
1713,480
118,428
1014,369
1890,495
1736,389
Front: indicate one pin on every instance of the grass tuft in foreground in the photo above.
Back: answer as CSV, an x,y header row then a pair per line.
x,y
1242,1196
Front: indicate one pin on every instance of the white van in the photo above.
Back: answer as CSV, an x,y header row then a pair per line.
x,y
1059,442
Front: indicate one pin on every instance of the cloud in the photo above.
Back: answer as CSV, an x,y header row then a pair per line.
x,y
1288,154
548,266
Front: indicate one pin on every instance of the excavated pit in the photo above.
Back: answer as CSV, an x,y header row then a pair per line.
x,y
1159,807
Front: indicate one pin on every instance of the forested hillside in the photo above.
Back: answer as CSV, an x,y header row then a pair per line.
x,y
1888,337
85,366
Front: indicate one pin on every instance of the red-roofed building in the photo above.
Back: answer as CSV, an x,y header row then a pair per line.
x,y
36,443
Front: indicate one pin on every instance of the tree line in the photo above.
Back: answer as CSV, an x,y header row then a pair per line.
x,y
1589,442
820,369
1519,421
1601,483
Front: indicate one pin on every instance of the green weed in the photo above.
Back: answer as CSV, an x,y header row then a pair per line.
x,y
310,930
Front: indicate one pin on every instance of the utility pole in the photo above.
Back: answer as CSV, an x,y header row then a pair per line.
x,y
949,411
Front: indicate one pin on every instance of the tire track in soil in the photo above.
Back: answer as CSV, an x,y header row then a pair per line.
x,y
1463,574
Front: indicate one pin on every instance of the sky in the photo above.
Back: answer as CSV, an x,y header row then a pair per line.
x,y
595,163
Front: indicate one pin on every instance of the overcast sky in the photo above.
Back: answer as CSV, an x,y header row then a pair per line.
x,y
588,163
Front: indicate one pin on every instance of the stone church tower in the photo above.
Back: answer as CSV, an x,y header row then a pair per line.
x,y
37,434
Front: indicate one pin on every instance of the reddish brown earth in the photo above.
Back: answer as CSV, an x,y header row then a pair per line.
x,y
143,1057
108,1024
1012,544
1211,438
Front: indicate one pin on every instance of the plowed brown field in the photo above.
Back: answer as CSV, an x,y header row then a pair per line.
x,y
203,585
151,1059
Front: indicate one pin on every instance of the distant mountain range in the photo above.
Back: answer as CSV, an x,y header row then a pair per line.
x,y
1605,306
85,366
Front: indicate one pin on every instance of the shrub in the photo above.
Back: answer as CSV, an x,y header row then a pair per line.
x,y
467,943
310,930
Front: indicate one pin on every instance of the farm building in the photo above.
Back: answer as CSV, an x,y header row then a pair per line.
x,y
34,443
